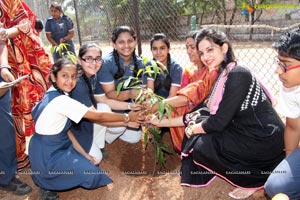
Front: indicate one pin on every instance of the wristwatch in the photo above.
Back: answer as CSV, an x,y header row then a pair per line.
x,y
129,106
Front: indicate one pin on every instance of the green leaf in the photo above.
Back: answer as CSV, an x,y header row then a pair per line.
x,y
166,149
145,60
146,139
127,82
139,72
168,113
139,95
162,159
119,87
142,99
161,109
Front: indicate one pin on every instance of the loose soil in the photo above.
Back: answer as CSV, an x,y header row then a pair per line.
x,y
131,167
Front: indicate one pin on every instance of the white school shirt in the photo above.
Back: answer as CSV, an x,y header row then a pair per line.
x,y
289,102
55,115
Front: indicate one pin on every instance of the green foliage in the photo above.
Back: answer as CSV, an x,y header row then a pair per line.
x,y
147,97
63,51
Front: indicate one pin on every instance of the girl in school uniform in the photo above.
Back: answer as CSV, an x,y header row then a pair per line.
x,y
118,65
167,83
56,165
89,92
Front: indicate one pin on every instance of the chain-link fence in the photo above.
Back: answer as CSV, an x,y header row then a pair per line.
x,y
252,27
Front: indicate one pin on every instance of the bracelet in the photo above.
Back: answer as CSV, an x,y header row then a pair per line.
x,y
127,118
189,131
129,106
5,66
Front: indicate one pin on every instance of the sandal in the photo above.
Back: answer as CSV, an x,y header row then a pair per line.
x,y
17,187
241,193
48,194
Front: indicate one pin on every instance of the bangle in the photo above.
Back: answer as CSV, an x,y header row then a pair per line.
x,y
189,131
127,118
129,106
5,66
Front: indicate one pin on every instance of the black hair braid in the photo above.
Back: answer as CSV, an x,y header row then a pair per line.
x,y
168,78
157,82
91,93
120,71
167,82
136,66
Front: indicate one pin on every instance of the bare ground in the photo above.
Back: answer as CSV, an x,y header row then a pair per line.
x,y
131,167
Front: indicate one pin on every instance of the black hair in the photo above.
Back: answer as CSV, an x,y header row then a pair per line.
x,y
39,24
82,51
219,38
191,34
167,83
117,31
57,66
288,44
56,6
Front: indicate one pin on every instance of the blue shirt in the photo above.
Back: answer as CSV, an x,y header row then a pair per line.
x,y
175,74
58,29
109,69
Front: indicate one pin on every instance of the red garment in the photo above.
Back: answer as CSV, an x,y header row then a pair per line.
x,y
26,56
196,87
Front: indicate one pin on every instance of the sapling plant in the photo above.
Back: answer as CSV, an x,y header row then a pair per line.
x,y
148,99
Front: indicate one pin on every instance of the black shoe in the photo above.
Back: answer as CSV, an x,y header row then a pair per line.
x,y
17,187
48,194
104,153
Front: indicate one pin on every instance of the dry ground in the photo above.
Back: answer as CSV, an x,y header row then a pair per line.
x,y
125,159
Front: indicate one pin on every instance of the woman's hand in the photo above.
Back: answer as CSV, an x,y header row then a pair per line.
x,y
153,119
7,75
3,34
133,125
133,93
135,106
136,116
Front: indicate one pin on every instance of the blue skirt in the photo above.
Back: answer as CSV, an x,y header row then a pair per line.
x,y
56,165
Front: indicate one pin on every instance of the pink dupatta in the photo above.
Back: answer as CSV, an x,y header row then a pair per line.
x,y
218,90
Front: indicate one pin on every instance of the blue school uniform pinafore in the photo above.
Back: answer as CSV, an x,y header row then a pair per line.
x,y
55,164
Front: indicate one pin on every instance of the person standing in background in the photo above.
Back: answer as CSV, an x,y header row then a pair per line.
x,y
26,55
59,29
